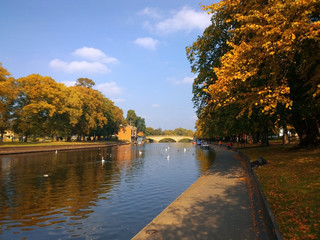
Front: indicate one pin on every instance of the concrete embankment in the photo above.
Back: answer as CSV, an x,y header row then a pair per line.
x,y
33,149
221,204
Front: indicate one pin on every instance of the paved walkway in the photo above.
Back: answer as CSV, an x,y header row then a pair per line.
x,y
219,205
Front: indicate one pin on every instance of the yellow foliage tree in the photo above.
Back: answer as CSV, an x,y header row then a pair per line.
x,y
92,115
7,96
273,65
39,103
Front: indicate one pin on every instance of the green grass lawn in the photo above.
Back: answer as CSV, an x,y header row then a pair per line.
x,y
291,184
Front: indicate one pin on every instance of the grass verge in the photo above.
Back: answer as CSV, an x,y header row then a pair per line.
x,y
291,184
48,143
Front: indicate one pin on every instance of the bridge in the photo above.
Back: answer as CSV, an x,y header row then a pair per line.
x,y
162,137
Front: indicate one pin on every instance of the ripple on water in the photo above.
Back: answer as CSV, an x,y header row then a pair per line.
x,y
84,199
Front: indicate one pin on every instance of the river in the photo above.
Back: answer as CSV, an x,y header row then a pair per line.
x,y
77,195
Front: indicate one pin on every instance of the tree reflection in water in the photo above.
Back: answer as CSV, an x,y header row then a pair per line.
x,y
73,194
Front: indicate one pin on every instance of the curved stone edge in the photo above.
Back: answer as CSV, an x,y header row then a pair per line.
x,y
265,218
38,149
262,217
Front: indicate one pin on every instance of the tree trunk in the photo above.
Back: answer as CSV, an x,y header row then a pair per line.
x,y
286,139
264,139
308,131
255,137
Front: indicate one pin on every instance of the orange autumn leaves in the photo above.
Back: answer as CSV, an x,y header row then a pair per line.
x,y
40,106
291,184
265,39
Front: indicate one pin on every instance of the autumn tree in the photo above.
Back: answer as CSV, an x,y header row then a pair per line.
x,y
64,121
92,114
40,106
204,54
114,117
7,96
272,67
38,102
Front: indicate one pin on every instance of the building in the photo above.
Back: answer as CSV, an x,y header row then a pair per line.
x,y
128,133
8,135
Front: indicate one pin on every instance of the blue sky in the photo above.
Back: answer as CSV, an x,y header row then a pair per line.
x,y
133,50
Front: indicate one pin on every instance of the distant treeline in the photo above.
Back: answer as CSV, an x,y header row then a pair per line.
x,y
178,131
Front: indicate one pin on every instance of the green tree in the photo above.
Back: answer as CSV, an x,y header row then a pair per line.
x,y
85,82
131,117
140,124
136,121
149,131
158,131
168,132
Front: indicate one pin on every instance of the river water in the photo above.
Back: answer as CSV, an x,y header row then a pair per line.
x,y
76,195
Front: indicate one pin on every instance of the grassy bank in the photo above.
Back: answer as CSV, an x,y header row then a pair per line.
x,y
49,143
291,184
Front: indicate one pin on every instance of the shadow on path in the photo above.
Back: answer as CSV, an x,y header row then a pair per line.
x,y
219,205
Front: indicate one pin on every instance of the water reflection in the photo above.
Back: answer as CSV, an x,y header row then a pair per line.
x,y
75,195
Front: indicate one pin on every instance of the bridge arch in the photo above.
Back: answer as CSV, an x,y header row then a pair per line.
x,y
162,137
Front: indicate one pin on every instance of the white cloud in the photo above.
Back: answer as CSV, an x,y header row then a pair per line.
x,y
94,61
186,19
94,54
186,80
147,42
109,89
78,66
150,12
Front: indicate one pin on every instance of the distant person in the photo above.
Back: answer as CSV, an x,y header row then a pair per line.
x,y
229,145
220,143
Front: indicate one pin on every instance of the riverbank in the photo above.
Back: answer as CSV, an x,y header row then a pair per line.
x,y
6,149
224,203
291,184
